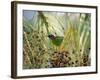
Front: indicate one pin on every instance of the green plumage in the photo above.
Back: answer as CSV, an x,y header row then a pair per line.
x,y
57,40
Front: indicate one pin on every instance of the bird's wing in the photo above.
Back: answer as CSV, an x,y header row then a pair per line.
x,y
57,41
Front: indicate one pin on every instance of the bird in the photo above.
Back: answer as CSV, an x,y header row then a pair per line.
x,y
56,40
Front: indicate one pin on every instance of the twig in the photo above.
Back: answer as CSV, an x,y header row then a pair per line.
x,y
30,54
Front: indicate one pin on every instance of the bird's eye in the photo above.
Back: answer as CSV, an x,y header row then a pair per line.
x,y
49,36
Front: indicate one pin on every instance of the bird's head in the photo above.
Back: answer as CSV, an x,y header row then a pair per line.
x,y
51,36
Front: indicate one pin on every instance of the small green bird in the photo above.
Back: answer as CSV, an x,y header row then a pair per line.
x,y
56,40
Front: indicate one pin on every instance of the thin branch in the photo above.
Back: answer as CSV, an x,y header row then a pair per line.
x,y
25,53
30,54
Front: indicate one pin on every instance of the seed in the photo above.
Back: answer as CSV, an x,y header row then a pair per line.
x,y
66,55
40,48
69,58
85,64
37,36
55,52
28,32
72,62
84,60
67,52
43,50
76,61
